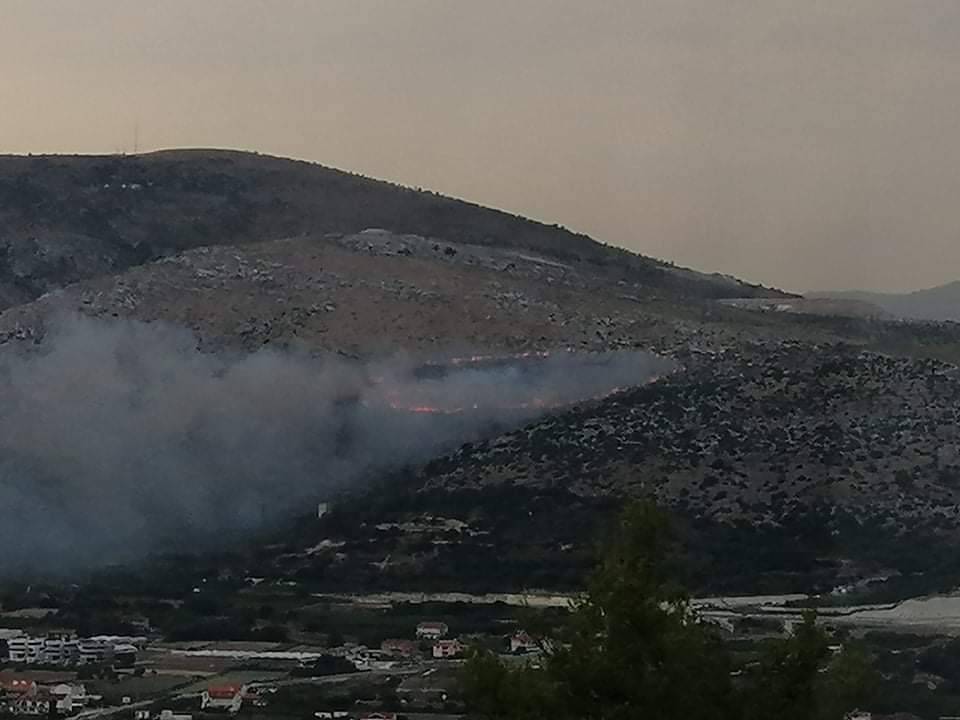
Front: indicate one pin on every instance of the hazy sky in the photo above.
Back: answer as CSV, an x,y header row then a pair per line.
x,y
804,143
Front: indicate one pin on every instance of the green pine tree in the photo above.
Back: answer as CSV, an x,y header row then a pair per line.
x,y
634,649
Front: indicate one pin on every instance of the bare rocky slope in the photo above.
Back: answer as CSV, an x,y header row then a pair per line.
x,y
797,450
376,292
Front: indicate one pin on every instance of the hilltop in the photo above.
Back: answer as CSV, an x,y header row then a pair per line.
x,y
69,218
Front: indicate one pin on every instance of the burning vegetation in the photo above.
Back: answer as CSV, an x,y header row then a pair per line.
x,y
526,382
130,421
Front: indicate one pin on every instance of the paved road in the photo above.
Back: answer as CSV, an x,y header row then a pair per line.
x,y
114,709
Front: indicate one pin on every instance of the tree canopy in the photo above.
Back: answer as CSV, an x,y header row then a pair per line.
x,y
634,647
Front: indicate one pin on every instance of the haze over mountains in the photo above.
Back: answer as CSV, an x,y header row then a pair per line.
x,y
762,438
939,303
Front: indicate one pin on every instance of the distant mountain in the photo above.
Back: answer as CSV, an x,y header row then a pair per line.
x,y
829,306
938,303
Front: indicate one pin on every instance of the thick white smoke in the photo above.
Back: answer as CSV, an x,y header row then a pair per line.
x,y
120,438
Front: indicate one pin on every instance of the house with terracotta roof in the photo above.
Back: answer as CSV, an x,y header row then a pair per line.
x,y
17,686
447,649
222,698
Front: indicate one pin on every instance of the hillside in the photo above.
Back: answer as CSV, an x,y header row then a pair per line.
x,y
797,449
372,293
790,470
68,218
375,293
941,303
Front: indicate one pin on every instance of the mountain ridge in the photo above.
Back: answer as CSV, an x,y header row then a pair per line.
x,y
69,218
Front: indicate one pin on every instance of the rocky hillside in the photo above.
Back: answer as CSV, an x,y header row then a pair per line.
x,y
789,466
377,292
751,438
66,218
798,450
370,293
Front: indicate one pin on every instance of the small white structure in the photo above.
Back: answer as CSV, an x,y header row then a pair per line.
x,y
171,715
322,509
432,630
69,697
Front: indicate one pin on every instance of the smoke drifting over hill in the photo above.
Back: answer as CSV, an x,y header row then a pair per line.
x,y
121,438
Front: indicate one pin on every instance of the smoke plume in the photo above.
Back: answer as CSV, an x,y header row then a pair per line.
x,y
120,438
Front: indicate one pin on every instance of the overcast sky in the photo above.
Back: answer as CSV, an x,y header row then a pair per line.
x,y
809,144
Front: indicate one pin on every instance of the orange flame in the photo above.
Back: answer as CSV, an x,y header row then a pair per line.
x,y
392,395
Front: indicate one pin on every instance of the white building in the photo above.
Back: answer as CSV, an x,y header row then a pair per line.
x,y
59,649
25,649
432,630
56,649
93,650
66,649
69,697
